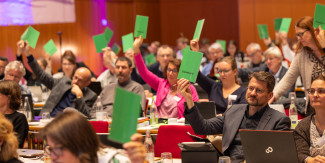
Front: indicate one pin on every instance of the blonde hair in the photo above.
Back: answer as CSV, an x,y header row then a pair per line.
x,y
10,143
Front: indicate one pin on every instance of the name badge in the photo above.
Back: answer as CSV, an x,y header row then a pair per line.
x,y
176,98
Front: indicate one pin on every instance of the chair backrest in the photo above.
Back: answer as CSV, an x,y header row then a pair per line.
x,y
100,126
169,136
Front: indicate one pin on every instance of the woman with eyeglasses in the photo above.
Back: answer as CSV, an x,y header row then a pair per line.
x,y
169,102
220,91
8,142
71,139
310,132
309,61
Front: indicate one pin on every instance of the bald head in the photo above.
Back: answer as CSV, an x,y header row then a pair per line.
x,y
81,77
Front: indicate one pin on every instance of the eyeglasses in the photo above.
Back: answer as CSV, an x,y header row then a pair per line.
x,y
301,33
172,70
67,64
223,71
78,79
258,91
14,76
312,91
57,151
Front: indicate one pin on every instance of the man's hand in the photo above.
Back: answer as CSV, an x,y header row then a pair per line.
x,y
194,44
136,44
130,54
284,38
267,41
76,91
108,58
183,88
20,47
135,149
320,36
277,37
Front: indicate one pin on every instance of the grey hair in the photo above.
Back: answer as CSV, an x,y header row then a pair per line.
x,y
16,65
215,45
273,50
254,46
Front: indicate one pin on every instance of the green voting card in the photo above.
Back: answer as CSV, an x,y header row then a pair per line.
x,y
319,16
223,44
100,42
190,65
150,59
127,41
262,31
50,47
277,23
126,109
198,29
108,34
285,25
30,35
187,48
116,48
141,26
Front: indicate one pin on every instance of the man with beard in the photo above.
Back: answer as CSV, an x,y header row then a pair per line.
x,y
256,115
123,70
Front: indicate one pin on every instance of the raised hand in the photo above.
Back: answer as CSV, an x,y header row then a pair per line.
x,y
108,57
267,41
135,149
183,88
130,54
284,38
136,44
320,36
20,47
194,44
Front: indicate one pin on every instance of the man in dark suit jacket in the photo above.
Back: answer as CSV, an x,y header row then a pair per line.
x,y
64,92
257,115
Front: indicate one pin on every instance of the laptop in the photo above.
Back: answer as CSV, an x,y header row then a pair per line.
x,y
207,109
268,146
95,87
37,93
31,104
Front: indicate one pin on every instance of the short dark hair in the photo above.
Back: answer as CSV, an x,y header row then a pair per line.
x,y
123,58
264,77
5,59
175,62
8,87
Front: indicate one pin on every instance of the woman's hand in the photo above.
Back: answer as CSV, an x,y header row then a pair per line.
x,y
320,36
136,44
135,149
318,159
194,44
183,88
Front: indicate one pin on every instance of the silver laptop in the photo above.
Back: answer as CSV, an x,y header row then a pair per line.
x,y
36,93
268,146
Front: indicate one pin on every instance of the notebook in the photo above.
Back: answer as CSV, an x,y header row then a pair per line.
x,y
268,146
207,109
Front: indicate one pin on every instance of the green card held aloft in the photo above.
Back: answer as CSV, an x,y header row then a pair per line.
x,y
127,41
100,42
190,65
108,34
187,48
125,115
285,25
116,48
223,44
277,23
198,29
262,31
30,35
141,26
50,47
150,59
319,16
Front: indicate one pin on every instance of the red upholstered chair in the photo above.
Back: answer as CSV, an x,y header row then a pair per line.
x,y
299,115
169,136
100,126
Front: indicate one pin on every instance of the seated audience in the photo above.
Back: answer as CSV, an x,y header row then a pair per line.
x,y
71,138
169,103
3,64
122,72
256,115
255,54
219,91
149,49
233,50
310,131
64,91
15,71
10,101
215,52
108,76
8,142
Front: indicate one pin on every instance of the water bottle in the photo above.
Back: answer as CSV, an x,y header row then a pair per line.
x,y
150,147
47,158
293,114
99,110
153,113
27,110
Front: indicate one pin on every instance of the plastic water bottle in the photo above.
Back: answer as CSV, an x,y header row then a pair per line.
x,y
153,113
99,110
47,158
27,110
293,114
150,147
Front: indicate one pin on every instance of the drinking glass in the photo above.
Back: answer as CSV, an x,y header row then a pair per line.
x,y
166,157
224,159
